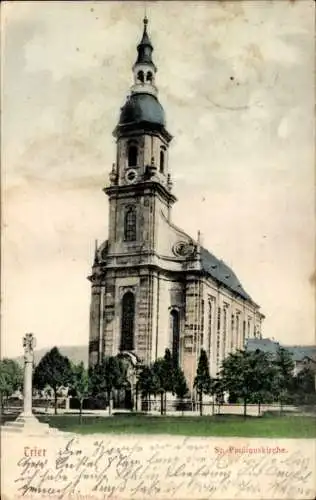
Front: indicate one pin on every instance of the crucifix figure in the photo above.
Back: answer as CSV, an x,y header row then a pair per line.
x,y
26,421
29,343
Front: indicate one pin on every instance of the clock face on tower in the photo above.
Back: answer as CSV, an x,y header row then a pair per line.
x,y
131,176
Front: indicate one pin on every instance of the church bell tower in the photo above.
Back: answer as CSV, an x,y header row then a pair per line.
x,y
141,172
124,276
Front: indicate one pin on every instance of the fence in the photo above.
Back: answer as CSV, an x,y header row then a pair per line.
x,y
88,404
193,407
171,406
17,403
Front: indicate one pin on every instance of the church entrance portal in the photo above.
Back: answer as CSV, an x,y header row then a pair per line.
x,y
125,398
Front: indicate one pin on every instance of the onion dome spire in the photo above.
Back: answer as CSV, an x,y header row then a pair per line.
x,y
142,106
144,70
145,47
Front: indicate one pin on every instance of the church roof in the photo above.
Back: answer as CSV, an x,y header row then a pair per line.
x,y
218,270
142,107
265,345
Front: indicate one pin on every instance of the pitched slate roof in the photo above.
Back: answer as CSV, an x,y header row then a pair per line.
x,y
218,270
265,345
298,352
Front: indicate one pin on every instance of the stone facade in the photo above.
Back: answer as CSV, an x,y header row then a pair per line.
x,y
153,286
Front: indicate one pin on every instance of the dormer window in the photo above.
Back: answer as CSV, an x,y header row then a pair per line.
x,y
132,155
162,161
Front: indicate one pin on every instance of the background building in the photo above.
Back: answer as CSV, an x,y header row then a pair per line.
x,y
304,356
154,286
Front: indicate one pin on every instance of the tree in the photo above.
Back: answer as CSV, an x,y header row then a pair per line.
x,y
80,385
148,383
217,392
304,386
202,381
47,393
264,373
160,376
169,374
169,371
305,381
54,370
283,381
180,385
164,370
248,375
11,378
107,376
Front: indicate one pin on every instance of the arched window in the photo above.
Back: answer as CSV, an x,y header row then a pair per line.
x,y
130,224
224,341
149,76
218,336
175,329
140,76
132,155
127,322
210,320
162,161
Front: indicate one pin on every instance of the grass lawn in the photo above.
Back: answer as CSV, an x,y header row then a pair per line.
x,y
219,425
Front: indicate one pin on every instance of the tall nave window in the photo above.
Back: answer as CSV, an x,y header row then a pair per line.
x,y
175,330
130,224
232,334
127,322
210,317
218,336
224,332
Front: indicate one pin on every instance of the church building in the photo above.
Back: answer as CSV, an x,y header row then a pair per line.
x,y
154,286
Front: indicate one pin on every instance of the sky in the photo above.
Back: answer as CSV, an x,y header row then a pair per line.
x,y
236,83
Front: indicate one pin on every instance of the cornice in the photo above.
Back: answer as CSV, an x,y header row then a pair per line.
x,y
139,188
141,129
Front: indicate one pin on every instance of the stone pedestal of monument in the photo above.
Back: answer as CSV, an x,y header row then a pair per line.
x,y
26,421
28,425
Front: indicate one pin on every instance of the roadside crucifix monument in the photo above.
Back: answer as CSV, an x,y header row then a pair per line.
x,y
26,421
